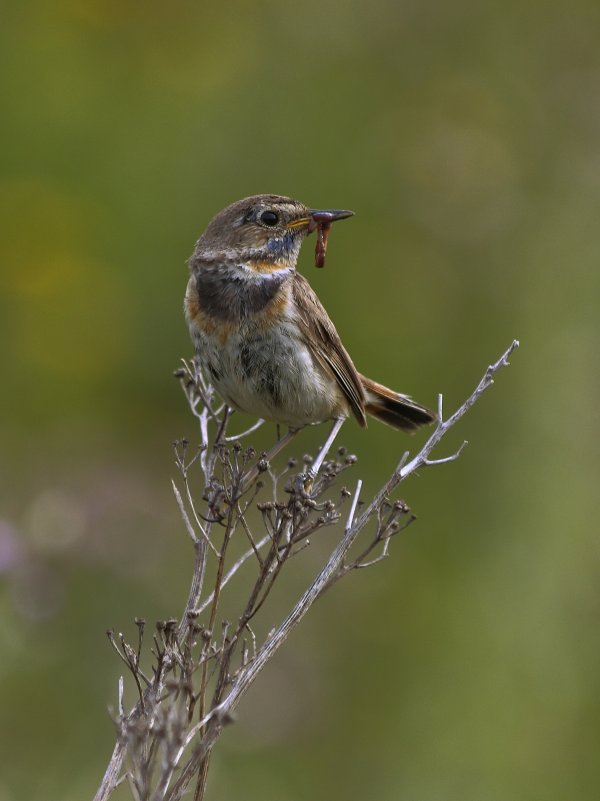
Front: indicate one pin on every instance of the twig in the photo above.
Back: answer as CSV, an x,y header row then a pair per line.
x,y
186,519
353,506
159,734
251,430
233,570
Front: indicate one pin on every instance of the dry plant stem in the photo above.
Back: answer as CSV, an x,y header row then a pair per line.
x,y
251,430
322,455
281,443
166,756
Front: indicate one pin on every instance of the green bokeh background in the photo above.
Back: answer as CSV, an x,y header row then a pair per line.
x,y
467,138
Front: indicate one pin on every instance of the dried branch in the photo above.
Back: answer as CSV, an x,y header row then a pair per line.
x,y
203,664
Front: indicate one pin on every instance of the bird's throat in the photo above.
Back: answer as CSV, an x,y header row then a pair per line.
x,y
235,292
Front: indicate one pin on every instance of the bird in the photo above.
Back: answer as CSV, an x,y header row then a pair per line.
x,y
260,333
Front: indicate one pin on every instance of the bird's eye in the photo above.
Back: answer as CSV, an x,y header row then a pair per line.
x,y
269,218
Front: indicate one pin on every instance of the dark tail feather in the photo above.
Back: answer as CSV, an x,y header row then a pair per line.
x,y
398,411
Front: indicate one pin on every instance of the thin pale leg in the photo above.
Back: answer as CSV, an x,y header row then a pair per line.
x,y
322,455
270,455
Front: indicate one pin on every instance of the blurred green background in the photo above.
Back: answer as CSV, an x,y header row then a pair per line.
x,y
466,136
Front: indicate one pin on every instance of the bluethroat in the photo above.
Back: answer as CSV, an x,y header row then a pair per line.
x,y
260,332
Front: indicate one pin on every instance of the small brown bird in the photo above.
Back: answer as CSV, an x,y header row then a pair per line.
x,y
260,332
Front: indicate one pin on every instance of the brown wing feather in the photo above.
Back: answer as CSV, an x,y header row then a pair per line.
x,y
326,346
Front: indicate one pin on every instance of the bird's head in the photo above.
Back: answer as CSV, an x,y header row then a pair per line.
x,y
262,228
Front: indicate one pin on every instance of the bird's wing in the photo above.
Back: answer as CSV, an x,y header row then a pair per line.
x,y
325,345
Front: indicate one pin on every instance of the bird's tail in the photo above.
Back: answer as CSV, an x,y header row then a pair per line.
x,y
398,411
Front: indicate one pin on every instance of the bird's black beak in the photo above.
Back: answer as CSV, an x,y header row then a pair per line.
x,y
317,217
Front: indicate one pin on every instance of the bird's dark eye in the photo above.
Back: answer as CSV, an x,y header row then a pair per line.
x,y
269,218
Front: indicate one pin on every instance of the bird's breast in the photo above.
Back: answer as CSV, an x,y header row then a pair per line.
x,y
260,363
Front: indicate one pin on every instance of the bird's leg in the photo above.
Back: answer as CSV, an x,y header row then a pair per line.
x,y
270,455
322,455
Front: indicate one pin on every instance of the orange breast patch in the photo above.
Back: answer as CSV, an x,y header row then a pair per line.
x,y
275,310
265,266
211,326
